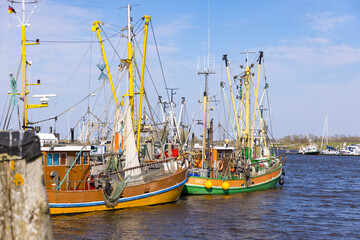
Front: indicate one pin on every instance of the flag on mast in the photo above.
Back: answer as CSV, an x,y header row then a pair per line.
x,y
11,10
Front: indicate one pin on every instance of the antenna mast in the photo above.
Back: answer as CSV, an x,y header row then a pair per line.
x,y
206,72
173,129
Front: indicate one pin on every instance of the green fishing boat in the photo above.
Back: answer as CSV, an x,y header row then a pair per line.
x,y
247,163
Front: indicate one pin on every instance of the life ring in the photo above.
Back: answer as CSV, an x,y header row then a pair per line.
x,y
197,163
220,165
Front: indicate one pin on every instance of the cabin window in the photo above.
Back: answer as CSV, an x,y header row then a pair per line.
x,y
94,149
63,159
85,158
219,155
49,159
56,159
78,158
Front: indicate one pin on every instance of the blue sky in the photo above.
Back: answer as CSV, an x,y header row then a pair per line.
x,y
311,49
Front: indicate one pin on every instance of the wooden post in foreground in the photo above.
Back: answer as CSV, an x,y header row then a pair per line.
x,y
24,208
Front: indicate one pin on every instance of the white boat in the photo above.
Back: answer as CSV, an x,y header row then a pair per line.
x,y
329,151
325,141
350,150
310,149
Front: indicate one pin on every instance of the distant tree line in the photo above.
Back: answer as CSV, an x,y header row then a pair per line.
x,y
303,139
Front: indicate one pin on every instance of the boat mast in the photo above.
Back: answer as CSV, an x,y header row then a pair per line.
x,y
23,24
232,98
206,72
96,28
23,67
173,127
130,58
247,101
222,85
247,136
256,102
325,134
246,133
179,123
147,18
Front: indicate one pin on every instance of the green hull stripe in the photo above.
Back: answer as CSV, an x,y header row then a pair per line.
x,y
200,189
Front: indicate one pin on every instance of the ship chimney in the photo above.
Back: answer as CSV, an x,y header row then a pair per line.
x,y
72,134
192,140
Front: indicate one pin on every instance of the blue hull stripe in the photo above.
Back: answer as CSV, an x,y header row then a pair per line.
x,y
99,203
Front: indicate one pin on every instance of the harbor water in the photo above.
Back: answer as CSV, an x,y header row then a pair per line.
x,y
319,200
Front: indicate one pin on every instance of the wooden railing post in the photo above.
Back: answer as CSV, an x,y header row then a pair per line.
x,y
24,208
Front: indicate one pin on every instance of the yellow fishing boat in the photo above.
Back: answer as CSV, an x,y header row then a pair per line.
x,y
75,180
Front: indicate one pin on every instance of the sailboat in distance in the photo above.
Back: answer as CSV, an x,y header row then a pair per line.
x,y
325,141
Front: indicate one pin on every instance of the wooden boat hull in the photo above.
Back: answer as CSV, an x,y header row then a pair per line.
x,y
196,185
165,190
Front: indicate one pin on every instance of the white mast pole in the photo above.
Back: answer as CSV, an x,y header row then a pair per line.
x,y
23,12
129,24
208,37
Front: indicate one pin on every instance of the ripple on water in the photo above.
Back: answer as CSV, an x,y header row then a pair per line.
x,y
320,200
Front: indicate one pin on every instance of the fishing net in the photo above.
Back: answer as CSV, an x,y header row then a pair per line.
x,y
113,165
13,85
115,182
114,186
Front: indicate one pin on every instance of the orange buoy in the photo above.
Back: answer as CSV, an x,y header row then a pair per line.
x,y
225,185
208,184
117,136
220,165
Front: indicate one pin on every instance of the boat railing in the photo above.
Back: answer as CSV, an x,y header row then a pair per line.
x,y
70,185
148,171
144,173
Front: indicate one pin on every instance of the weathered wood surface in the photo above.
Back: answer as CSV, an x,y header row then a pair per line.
x,y
24,208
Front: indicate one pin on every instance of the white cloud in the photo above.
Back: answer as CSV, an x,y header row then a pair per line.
x,y
290,65
327,22
319,40
333,55
162,49
174,27
316,77
234,23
